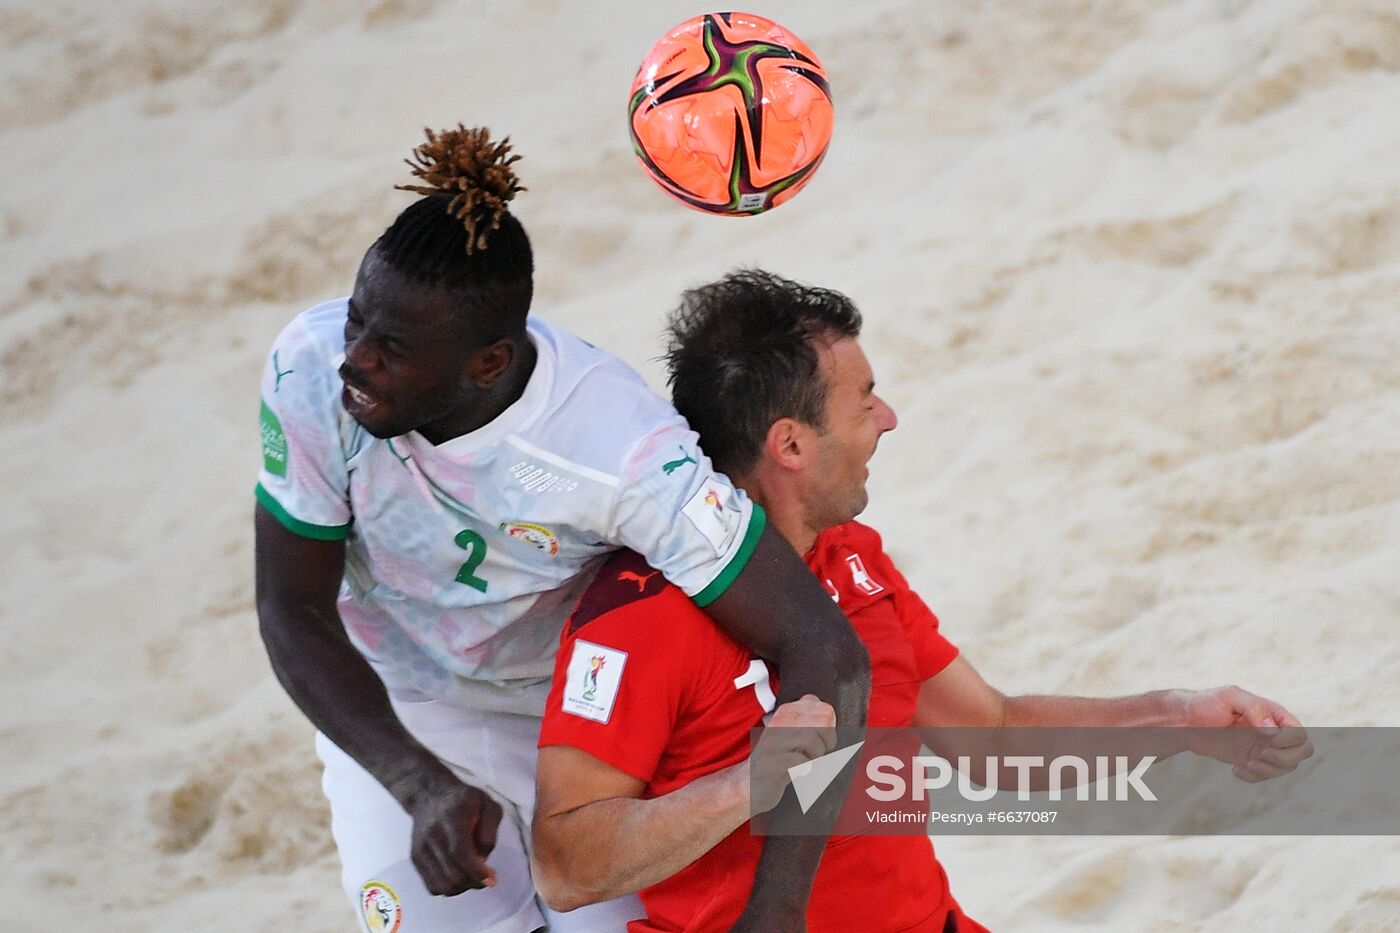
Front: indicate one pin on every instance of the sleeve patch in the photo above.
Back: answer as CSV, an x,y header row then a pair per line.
x,y
714,511
274,442
592,680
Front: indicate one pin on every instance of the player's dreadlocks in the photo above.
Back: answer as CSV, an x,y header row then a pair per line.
x,y
476,172
461,235
740,356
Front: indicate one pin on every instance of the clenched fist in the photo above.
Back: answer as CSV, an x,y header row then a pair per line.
x,y
797,733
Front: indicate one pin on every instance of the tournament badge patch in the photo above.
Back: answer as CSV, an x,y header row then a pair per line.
x,y
594,674
537,536
380,907
712,510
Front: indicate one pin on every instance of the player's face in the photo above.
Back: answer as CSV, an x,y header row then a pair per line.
x,y
855,419
406,354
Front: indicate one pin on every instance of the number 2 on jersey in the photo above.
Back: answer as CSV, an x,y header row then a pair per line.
x,y
471,541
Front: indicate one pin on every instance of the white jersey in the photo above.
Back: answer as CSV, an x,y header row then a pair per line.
x,y
463,559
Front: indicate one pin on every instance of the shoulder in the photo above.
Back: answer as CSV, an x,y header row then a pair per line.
x,y
579,363
600,409
316,334
625,590
847,537
305,357
631,619
851,559
301,383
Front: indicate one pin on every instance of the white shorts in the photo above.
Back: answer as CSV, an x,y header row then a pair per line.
x,y
490,750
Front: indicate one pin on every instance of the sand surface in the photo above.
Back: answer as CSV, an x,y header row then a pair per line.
x,y
1131,271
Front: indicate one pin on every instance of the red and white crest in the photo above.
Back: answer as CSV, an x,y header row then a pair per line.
x,y
861,577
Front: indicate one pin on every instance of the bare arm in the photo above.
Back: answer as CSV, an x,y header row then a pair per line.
x,y
779,610
297,583
958,698
595,838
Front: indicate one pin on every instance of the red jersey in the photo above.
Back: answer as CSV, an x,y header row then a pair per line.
x,y
647,683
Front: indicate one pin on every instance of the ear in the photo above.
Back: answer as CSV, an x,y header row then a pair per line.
x,y
789,444
486,366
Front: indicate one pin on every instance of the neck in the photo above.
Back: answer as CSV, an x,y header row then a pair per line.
x,y
495,398
784,507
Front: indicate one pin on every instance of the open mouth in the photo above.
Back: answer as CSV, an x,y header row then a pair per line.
x,y
357,401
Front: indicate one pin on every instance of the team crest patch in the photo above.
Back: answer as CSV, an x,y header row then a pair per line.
x,y
380,907
713,510
861,577
534,535
274,442
594,674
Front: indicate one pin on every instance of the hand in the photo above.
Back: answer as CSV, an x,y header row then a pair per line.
x,y
1275,744
797,732
454,829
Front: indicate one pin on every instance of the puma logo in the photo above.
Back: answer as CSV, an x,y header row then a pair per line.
x,y
638,579
279,372
674,465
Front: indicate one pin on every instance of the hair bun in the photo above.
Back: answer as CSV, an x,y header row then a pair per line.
x,y
476,172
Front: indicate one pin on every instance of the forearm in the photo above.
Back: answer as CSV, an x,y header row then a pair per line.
x,y
786,871
838,671
339,692
778,609
832,666
960,716
967,721
619,845
1167,722
1048,727
836,668
1157,709
297,580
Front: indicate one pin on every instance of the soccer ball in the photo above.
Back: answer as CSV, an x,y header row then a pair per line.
x,y
730,113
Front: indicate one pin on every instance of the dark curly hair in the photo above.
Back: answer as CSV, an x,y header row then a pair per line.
x,y
740,356
460,236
